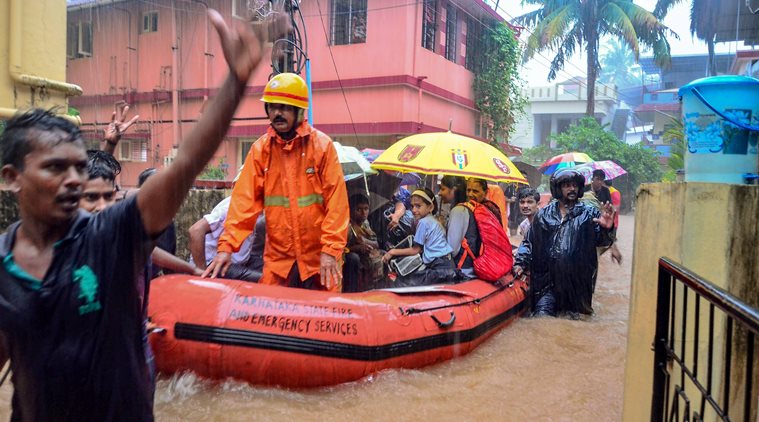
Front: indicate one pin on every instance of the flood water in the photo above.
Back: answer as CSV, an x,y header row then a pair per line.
x,y
535,369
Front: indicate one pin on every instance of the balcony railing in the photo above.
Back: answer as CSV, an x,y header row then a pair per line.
x,y
686,387
569,92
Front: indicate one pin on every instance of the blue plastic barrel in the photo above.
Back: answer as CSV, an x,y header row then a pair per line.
x,y
721,119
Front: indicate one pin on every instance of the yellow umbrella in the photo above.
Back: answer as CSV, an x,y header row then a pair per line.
x,y
451,154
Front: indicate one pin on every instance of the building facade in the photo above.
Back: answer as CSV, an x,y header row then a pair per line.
x,y
381,70
553,108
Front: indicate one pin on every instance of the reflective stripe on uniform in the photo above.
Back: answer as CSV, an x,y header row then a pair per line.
x,y
303,201
312,199
277,201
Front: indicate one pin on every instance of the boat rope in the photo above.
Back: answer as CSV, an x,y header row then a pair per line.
x,y
476,301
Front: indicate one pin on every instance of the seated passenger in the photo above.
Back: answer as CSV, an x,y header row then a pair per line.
x,y
247,263
477,191
429,241
460,224
363,263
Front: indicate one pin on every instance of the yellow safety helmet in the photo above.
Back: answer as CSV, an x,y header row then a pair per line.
x,y
286,88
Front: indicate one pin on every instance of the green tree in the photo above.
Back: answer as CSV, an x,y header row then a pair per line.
x,y
536,156
703,23
675,136
497,84
212,172
564,25
617,65
588,136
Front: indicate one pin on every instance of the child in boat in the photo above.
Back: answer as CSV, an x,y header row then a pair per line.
x,y
363,260
430,241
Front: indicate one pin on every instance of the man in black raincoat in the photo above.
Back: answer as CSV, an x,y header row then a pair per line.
x,y
560,249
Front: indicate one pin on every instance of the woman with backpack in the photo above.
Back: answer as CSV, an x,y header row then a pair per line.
x,y
460,226
481,247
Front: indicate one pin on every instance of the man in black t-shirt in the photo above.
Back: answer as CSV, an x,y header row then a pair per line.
x,y
598,187
70,318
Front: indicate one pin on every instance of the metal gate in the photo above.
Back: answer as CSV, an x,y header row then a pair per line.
x,y
704,359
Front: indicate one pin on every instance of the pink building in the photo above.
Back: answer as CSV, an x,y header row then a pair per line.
x,y
381,70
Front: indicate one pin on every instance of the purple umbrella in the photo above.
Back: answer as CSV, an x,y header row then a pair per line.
x,y
610,168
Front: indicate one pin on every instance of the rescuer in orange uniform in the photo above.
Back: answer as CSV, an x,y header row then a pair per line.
x,y
294,174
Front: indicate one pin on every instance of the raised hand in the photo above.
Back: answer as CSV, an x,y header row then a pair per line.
x,y
606,220
244,49
118,126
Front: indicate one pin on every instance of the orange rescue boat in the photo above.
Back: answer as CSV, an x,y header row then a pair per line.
x,y
270,335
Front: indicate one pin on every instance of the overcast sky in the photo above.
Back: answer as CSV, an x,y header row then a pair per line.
x,y
678,19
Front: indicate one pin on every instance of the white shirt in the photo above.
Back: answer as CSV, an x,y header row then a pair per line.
x,y
215,220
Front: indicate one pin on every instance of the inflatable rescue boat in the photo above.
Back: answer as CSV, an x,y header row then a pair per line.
x,y
296,338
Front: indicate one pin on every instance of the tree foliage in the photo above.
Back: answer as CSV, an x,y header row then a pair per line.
x,y
675,136
497,84
703,23
536,156
212,172
617,66
563,26
588,136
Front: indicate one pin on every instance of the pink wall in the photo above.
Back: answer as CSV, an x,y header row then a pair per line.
x,y
380,78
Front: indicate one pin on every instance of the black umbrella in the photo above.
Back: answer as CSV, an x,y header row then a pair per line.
x,y
531,173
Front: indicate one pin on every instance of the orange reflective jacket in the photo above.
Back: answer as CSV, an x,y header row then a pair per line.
x,y
300,186
495,194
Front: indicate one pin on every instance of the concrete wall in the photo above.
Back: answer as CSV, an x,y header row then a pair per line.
x,y
33,36
712,229
196,205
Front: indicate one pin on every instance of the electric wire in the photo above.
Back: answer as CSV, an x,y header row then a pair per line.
x,y
337,73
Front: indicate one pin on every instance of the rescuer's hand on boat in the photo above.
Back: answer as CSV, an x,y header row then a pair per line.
x,y
330,274
244,49
219,265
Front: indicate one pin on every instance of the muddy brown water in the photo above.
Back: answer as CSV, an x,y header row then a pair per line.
x,y
534,369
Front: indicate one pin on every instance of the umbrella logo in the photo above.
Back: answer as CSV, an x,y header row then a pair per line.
x,y
409,153
501,165
460,158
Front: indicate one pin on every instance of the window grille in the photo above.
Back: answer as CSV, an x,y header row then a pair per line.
x,y
150,22
429,24
348,19
451,30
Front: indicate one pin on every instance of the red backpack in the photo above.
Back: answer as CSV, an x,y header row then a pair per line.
x,y
495,259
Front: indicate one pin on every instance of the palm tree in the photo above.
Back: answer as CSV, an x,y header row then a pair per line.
x,y
703,23
563,25
617,65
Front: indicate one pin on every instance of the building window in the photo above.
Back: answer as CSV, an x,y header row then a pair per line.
x,y
240,9
245,145
451,29
133,150
149,22
72,40
79,40
429,24
473,45
348,22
